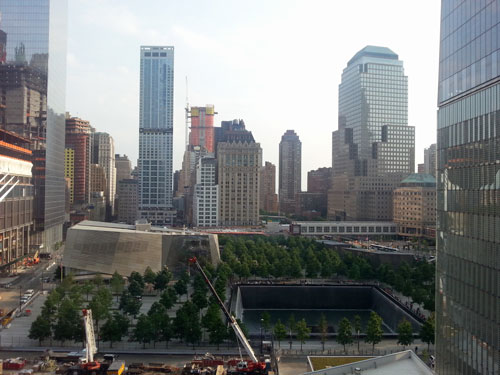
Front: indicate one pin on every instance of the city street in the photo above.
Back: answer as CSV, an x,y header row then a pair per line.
x,y
27,278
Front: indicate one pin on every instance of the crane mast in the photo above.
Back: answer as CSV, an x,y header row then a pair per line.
x,y
90,345
234,324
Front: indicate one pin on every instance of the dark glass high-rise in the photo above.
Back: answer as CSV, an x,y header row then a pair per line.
x,y
32,100
468,188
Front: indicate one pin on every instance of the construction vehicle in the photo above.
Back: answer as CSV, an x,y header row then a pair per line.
x,y
87,364
241,367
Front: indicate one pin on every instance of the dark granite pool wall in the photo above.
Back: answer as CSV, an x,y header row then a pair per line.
x,y
355,297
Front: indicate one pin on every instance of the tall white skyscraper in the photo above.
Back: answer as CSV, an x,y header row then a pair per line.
x,y
155,134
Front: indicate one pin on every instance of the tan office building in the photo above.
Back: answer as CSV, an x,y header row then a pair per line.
x,y
415,206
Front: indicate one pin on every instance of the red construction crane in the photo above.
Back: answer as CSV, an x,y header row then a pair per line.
x,y
242,367
88,363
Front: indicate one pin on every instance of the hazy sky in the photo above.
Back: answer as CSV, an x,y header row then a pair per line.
x,y
275,64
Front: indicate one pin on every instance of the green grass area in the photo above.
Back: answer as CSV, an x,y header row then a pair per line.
x,y
320,363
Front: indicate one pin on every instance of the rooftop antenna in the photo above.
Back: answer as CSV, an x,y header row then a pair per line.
x,y
187,115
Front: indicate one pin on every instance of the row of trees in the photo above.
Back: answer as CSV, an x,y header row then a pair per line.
x,y
298,257
60,318
348,330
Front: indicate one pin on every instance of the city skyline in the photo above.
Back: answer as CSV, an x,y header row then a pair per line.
x,y
260,82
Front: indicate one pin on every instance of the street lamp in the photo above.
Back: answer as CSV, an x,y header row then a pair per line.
x,y
261,340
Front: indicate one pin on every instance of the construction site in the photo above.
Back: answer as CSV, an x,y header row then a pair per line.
x,y
89,362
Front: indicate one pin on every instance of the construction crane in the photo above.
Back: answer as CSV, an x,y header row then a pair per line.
x,y
88,363
243,367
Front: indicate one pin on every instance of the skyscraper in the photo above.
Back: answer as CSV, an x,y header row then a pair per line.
x,y
239,160
155,134
430,158
373,148
268,200
468,189
123,168
16,192
127,200
290,159
78,139
202,127
104,155
32,100
206,194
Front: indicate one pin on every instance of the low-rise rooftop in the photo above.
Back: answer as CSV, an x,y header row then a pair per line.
x,y
405,362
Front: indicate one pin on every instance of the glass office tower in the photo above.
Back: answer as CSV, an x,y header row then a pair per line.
x,y
155,134
32,100
468,203
373,148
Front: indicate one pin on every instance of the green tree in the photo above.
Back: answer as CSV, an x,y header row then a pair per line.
x,y
87,288
211,315
244,270
40,329
149,276
313,266
51,305
162,279
428,331
323,329
279,331
217,330
265,320
129,304
159,319
100,306
303,332
135,288
187,323
167,331
199,298
220,288
405,333
354,272
344,335
69,322
136,276
168,298
144,331
295,270
374,329
357,327
115,328
117,284
181,287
